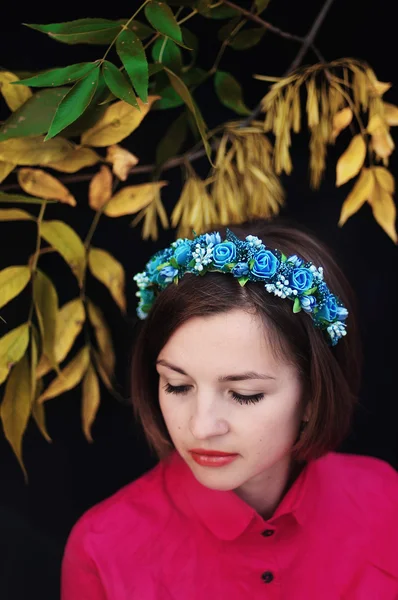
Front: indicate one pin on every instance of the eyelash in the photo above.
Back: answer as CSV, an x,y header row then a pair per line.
x,y
183,389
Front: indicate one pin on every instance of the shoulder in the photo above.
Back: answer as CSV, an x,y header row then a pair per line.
x,y
132,513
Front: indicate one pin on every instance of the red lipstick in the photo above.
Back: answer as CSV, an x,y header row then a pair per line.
x,y
212,458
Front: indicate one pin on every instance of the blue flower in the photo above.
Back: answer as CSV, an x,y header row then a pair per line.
x,y
167,274
147,296
329,309
240,269
342,313
223,254
153,264
295,260
308,303
183,253
301,280
213,238
265,264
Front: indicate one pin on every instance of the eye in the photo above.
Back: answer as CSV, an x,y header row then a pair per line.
x,y
247,399
176,389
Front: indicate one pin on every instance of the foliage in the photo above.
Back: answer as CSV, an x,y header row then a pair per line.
x,y
77,119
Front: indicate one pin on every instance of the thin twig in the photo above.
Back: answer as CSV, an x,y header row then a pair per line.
x,y
265,24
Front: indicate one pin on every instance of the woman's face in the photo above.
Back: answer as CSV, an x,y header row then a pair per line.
x,y
221,388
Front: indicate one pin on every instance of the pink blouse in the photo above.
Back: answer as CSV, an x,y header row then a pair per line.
x,y
334,536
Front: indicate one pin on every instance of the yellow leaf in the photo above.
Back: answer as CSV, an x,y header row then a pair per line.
x,y
14,95
122,161
378,88
341,120
70,320
46,304
5,169
384,210
100,188
110,272
12,281
90,400
133,198
119,121
12,347
359,194
38,412
15,214
382,142
103,336
77,159
375,123
33,150
351,161
70,376
66,241
39,183
390,114
384,178
16,407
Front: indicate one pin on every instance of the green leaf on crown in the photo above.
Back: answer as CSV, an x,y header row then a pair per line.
x,y
296,305
191,263
251,263
243,280
310,291
173,262
283,257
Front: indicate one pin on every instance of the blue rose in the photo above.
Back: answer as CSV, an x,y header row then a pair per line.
x,y
342,313
213,238
153,264
223,254
308,303
301,280
329,309
295,260
265,264
240,269
183,253
167,274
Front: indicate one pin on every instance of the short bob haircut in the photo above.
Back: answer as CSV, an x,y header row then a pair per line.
x,y
330,375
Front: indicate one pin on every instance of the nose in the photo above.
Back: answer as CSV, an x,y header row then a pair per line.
x,y
208,417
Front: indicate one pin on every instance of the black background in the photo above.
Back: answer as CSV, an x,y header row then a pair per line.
x,y
69,475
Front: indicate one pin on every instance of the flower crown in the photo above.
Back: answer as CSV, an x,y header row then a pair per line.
x,y
250,260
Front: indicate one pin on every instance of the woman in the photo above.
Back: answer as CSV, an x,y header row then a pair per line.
x,y
244,378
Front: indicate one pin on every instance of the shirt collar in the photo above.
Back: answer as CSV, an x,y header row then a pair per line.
x,y
224,513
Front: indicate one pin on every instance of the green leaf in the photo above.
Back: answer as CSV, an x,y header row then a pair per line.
x,y
296,305
118,84
74,103
261,5
20,199
82,31
57,77
154,69
218,12
132,54
35,116
247,39
93,113
161,17
310,291
229,92
283,257
243,280
141,29
194,76
168,53
184,93
192,41
225,31
173,262
173,139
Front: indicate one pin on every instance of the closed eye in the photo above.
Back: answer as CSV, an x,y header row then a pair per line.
x,y
241,399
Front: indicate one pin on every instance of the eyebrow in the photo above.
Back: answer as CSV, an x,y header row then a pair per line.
x,y
237,377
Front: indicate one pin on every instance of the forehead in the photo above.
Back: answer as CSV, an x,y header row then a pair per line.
x,y
221,344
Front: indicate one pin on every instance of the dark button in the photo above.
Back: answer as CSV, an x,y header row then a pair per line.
x,y
268,532
267,576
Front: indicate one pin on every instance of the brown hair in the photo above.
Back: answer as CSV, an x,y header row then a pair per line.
x,y
331,375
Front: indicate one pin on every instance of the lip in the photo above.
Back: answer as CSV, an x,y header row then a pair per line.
x,y
203,452
213,460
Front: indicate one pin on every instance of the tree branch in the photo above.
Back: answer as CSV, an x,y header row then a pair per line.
x,y
306,43
265,24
